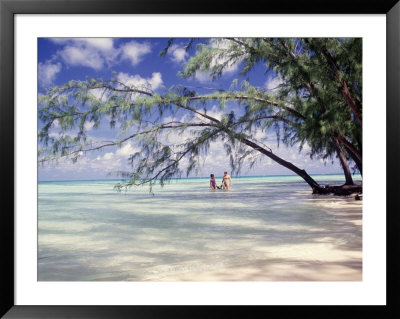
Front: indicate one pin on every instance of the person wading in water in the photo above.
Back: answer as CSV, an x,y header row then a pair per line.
x,y
213,183
226,181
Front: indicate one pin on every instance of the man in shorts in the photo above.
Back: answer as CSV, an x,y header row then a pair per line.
x,y
226,181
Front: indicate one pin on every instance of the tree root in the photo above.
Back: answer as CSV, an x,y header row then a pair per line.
x,y
342,190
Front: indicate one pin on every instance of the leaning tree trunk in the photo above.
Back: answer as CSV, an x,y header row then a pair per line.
x,y
317,189
353,152
301,172
343,162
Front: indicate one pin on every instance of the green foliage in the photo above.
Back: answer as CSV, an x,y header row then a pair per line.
x,y
309,85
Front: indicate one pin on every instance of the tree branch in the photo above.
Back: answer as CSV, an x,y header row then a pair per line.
x,y
257,99
161,127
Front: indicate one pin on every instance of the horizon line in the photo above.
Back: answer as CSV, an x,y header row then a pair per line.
x,y
176,178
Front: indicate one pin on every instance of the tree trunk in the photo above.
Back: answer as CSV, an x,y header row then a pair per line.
x,y
353,152
343,190
301,172
344,89
353,103
343,162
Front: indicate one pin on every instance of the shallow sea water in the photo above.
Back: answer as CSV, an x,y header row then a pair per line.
x,y
87,231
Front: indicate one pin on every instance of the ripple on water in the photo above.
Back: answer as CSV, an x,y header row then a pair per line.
x,y
88,231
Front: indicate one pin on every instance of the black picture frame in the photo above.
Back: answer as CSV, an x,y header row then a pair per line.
x,y
9,8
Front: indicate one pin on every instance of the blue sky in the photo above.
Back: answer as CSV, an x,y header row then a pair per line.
x,y
137,61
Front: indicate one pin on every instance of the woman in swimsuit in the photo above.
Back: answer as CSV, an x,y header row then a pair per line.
x,y
213,183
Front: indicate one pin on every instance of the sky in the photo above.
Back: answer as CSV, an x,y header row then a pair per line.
x,y
137,61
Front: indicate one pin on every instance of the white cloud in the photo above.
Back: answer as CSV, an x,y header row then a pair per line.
x,y
156,80
272,83
108,156
168,119
55,134
177,53
88,126
113,160
215,112
82,56
137,81
100,94
259,134
217,161
126,150
48,72
224,45
202,77
134,51
103,44
173,137
231,67
94,53
306,147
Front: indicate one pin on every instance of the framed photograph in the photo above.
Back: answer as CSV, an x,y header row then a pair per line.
x,y
159,156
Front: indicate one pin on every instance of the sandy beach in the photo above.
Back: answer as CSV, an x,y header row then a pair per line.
x,y
334,267
319,261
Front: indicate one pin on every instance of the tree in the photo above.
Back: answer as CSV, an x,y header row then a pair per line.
x,y
312,79
300,110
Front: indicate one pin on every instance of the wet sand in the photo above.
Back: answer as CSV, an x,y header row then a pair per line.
x,y
337,267
330,258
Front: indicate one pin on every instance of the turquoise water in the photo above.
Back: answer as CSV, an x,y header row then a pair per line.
x,y
88,231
